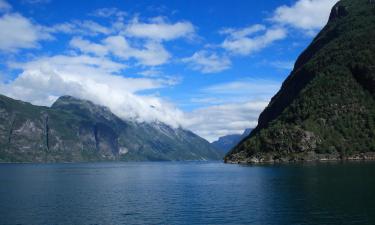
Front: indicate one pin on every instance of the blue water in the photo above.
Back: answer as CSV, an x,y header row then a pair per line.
x,y
187,193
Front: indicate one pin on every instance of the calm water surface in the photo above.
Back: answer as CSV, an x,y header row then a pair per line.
x,y
187,193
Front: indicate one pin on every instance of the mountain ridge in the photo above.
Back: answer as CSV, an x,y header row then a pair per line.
x,y
227,142
73,130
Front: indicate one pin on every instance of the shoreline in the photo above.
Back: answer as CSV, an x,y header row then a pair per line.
x,y
113,161
301,158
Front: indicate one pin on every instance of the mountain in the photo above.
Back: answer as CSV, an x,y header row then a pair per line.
x,y
226,143
325,109
78,130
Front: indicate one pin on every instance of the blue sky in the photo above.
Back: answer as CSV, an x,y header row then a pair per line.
x,y
209,66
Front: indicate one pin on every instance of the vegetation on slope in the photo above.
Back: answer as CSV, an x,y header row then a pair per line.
x,y
327,104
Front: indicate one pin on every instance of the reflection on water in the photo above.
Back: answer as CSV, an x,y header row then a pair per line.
x,y
187,193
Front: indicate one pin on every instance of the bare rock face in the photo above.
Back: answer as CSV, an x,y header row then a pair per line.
x,y
79,130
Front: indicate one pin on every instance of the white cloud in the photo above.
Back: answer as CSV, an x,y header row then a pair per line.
x,y
73,64
247,40
95,79
207,62
17,32
151,54
309,15
109,12
159,29
284,65
249,88
235,92
77,27
4,6
151,73
67,28
134,40
93,27
229,108
88,47
216,121
240,33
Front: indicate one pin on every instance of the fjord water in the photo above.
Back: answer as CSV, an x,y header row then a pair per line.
x,y
187,193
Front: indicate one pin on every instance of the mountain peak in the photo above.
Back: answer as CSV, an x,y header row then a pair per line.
x,y
80,106
338,11
68,99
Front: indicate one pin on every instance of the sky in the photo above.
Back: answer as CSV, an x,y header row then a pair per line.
x,y
208,66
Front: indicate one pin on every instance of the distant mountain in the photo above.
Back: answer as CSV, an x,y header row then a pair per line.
x,y
226,143
78,130
325,109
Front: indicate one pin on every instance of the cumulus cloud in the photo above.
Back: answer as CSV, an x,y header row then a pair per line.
x,y
94,78
141,41
207,62
86,46
308,15
137,40
19,32
219,120
159,29
156,29
248,40
151,54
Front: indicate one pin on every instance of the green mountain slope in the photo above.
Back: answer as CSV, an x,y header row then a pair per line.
x,y
78,130
325,109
